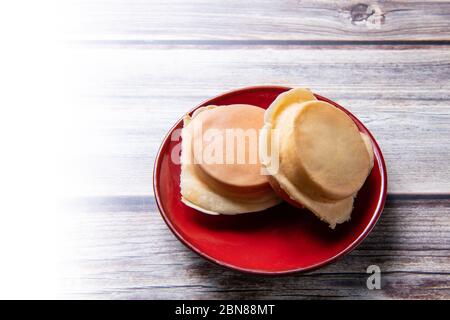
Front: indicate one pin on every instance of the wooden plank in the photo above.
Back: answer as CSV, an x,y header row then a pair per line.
x,y
306,20
124,250
132,96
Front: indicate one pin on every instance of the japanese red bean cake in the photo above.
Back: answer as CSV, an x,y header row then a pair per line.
x,y
323,158
220,168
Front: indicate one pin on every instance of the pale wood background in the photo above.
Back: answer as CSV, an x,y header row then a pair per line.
x,y
145,63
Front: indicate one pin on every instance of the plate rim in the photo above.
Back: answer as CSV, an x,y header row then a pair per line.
x,y
369,227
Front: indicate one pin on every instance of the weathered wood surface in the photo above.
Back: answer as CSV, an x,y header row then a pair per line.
x,y
133,96
143,64
124,250
296,20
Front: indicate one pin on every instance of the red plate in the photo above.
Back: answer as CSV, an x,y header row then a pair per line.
x,y
280,240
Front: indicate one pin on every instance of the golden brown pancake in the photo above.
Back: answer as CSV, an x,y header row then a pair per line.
x,y
323,158
224,178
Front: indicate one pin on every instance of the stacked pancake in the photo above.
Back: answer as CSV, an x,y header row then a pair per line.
x,y
221,171
324,159
321,159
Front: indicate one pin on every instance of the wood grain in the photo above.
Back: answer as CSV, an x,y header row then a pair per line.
x,y
131,96
293,20
124,250
143,64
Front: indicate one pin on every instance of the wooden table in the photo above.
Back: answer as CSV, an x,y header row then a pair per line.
x,y
145,64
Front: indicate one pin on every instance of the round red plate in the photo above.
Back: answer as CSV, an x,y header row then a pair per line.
x,y
280,240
